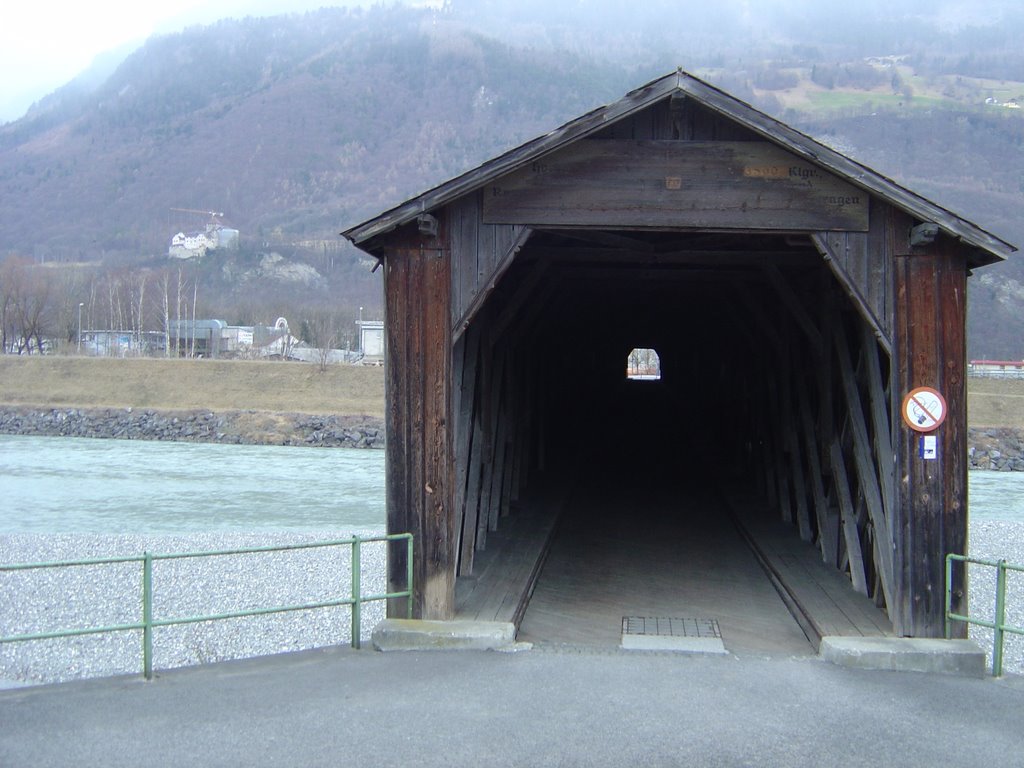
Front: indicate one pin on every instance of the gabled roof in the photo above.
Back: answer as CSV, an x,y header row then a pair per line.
x,y
991,248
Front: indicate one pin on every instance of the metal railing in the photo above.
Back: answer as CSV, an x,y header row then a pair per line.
x,y
356,599
998,625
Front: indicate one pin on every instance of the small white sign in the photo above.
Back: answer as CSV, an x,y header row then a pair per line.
x,y
929,447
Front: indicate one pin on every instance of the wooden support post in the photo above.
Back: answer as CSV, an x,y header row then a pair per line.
x,y
813,453
493,374
867,472
463,447
880,420
418,402
848,517
930,350
796,463
775,429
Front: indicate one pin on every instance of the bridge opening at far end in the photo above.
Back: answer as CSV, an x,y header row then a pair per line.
x,y
643,364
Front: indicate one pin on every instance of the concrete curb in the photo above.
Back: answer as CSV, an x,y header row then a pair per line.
x,y
417,635
905,654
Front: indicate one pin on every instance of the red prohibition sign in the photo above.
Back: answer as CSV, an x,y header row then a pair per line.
x,y
924,409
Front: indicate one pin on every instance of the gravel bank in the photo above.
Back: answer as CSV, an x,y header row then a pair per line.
x,y
38,601
996,540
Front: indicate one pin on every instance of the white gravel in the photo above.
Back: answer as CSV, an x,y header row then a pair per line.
x,y
998,540
90,596
42,601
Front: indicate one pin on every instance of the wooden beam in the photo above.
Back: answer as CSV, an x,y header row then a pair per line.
x,y
720,184
681,257
852,290
813,453
932,510
762,321
417,413
867,472
885,457
482,295
526,293
792,442
848,518
465,368
796,308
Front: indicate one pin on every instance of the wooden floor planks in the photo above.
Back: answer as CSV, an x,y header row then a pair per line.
x,y
822,598
628,552
504,574
568,577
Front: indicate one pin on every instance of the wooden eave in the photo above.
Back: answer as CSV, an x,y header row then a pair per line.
x,y
986,247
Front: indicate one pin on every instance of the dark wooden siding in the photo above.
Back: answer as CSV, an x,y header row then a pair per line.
x,y
930,350
418,328
863,264
479,252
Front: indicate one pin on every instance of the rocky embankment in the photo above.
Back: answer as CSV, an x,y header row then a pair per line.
x,y
1000,449
996,448
229,427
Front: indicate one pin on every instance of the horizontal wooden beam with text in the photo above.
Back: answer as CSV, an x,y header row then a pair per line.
x,y
692,184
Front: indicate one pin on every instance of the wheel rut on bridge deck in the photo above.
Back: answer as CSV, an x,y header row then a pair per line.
x,y
646,551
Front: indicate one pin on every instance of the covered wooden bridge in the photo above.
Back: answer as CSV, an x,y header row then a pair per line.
x,y
797,301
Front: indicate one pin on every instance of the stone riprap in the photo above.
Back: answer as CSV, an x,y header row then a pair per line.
x,y
230,427
998,448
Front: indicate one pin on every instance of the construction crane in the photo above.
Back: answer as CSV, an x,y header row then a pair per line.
x,y
212,214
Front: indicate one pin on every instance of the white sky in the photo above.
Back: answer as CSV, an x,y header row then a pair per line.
x,y
46,43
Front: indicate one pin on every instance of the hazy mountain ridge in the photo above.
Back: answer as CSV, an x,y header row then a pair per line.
x,y
297,126
293,126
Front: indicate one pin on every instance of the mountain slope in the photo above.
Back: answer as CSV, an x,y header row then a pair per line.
x,y
293,126
298,126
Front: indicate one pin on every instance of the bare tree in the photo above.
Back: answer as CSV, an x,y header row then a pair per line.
x,y
323,336
165,284
30,304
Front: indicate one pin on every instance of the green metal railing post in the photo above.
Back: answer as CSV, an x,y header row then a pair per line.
x,y
949,595
1000,622
408,576
357,596
149,623
147,615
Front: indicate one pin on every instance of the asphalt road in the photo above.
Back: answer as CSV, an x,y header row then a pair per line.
x,y
532,708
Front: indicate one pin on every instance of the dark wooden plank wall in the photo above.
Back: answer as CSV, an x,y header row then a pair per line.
x,y
418,331
496,437
862,262
478,250
677,118
930,349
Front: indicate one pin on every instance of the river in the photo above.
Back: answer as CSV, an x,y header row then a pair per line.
x,y
81,485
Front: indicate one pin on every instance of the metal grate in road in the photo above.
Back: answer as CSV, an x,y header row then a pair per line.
x,y
660,633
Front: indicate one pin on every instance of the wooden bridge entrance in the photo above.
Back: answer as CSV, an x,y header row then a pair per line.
x,y
794,298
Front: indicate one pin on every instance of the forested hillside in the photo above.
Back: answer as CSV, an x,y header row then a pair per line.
x,y
297,126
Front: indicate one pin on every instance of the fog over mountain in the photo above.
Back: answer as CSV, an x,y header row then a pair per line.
x,y
296,126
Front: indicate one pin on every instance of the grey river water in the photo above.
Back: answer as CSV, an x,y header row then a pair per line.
x,y
81,485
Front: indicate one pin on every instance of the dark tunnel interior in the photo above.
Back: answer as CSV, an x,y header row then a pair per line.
x,y
704,303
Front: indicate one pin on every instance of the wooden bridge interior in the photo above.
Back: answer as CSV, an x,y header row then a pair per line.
x,y
744,410
793,297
